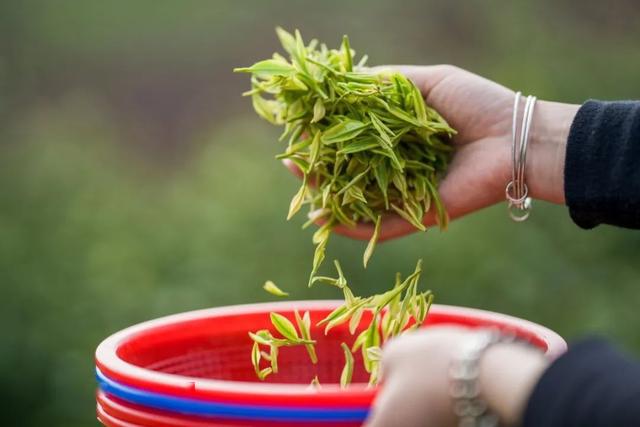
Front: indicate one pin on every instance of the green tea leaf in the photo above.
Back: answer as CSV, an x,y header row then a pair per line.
x,y
374,354
271,287
294,83
336,313
443,217
373,336
346,51
344,131
419,106
326,192
386,322
344,317
268,68
260,337
284,326
364,211
306,321
382,300
304,325
372,242
341,216
302,164
287,40
355,320
318,256
374,374
300,52
381,174
360,340
322,233
424,304
388,152
400,182
401,323
354,180
274,359
347,371
318,111
265,109
382,129
353,193
264,373
402,115
266,356
356,146
295,148
372,339
255,357
298,199
316,146
342,281
349,299
324,279
408,216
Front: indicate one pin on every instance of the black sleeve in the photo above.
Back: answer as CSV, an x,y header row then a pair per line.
x,y
602,167
591,385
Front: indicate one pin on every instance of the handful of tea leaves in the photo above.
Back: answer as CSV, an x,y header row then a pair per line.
x,y
365,142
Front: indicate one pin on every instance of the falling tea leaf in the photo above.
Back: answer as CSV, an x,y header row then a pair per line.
x,y
372,243
271,287
284,326
347,371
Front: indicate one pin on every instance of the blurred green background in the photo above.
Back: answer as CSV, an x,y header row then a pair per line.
x,y
135,181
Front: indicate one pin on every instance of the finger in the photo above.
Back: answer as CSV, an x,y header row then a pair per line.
x,y
293,168
425,77
459,193
382,410
399,404
392,225
470,185
415,380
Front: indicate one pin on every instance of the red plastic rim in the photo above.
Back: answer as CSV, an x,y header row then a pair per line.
x,y
114,354
120,411
111,421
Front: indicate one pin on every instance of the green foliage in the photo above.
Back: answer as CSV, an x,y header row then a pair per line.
x,y
95,237
90,243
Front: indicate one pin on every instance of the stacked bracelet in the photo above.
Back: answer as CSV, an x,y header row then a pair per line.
x,y
464,372
517,192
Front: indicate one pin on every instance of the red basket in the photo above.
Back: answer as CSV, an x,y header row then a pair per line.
x,y
205,355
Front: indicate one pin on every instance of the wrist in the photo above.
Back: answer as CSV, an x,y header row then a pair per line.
x,y
508,374
548,140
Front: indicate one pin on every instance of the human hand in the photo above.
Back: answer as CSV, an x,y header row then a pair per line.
x,y
481,111
415,375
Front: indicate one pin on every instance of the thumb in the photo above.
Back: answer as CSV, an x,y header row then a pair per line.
x,y
400,403
425,77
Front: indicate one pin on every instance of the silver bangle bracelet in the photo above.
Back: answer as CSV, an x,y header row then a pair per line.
x,y
464,373
517,192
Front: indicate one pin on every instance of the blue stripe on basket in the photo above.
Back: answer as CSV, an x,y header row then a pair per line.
x,y
227,410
